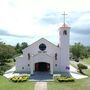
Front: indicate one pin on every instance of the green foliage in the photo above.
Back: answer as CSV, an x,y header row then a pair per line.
x,y
64,79
80,67
88,51
24,45
20,47
3,68
78,51
6,52
19,78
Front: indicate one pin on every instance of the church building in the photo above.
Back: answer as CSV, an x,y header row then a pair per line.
x,y
44,56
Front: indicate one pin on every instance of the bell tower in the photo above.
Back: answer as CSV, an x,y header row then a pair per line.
x,y
64,33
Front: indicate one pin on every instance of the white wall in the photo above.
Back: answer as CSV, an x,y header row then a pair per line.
x,y
33,50
64,51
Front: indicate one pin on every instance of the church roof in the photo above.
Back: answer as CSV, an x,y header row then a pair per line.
x,y
64,26
39,40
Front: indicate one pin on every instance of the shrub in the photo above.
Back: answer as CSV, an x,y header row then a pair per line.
x,y
19,78
64,79
80,67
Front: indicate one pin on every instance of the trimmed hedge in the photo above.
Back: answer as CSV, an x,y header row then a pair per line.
x,y
81,66
64,79
19,78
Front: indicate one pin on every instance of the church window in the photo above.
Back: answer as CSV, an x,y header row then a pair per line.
x,y
42,47
22,67
28,64
55,65
64,32
28,56
55,56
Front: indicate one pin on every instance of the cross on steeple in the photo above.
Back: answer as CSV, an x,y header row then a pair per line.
x,y
64,14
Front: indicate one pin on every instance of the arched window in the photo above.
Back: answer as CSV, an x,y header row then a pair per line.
x,y
64,32
28,56
55,56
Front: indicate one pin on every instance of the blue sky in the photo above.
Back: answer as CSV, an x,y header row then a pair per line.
x,y
30,20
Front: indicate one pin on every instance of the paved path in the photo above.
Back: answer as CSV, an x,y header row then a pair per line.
x,y
75,74
41,76
40,86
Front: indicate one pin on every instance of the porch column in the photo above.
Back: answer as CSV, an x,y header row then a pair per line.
x,y
51,68
31,68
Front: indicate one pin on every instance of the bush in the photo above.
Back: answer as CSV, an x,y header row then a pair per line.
x,y
19,78
1,72
64,79
81,66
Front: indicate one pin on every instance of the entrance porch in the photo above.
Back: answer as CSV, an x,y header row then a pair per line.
x,y
42,67
42,62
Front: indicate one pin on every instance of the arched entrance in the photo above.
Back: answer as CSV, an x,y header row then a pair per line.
x,y
42,66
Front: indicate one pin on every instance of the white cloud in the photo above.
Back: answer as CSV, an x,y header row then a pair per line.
x,y
22,17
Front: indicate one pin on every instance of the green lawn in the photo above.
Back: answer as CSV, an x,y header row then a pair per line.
x,y
81,84
86,60
5,84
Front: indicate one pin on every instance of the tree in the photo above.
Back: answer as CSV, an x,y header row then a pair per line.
x,y
18,48
6,52
24,45
78,51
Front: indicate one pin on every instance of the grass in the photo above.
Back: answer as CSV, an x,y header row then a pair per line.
x,y
5,84
81,84
86,60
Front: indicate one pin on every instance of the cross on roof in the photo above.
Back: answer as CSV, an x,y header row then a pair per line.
x,y
64,14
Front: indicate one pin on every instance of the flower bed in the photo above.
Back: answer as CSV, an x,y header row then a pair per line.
x,y
19,78
64,79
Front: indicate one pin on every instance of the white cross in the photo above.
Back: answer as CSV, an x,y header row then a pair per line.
x,y
64,14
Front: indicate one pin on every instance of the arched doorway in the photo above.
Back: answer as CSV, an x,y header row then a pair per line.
x,y
42,66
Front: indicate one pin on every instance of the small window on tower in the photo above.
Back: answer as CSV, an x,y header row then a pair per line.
x,y
64,32
28,56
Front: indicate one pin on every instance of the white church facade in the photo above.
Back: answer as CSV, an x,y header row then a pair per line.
x,y
44,56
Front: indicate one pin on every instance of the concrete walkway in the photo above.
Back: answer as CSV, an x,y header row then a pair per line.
x,y
44,77
40,86
75,74
11,72
41,76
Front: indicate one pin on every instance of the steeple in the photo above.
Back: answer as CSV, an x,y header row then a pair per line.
x,y
64,26
64,34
